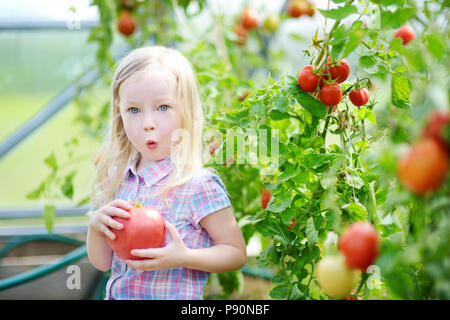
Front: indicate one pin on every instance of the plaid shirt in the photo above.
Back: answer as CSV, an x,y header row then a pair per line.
x,y
202,195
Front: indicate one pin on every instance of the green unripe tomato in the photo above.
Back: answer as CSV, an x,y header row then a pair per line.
x,y
334,277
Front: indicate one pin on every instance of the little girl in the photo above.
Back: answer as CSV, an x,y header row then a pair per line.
x,y
153,154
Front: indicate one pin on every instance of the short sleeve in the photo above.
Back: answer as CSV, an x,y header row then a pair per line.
x,y
209,196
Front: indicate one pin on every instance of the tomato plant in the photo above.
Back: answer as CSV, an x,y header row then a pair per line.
x,y
342,158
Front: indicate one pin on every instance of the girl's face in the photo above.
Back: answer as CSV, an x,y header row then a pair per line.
x,y
148,106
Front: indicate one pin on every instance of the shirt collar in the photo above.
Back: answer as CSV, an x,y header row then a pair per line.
x,y
152,173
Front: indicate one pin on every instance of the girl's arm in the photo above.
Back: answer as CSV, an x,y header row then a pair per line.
x,y
99,253
229,251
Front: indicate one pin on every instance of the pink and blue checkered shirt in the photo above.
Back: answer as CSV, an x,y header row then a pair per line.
x,y
204,194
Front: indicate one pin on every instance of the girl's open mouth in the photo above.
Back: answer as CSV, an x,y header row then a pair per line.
x,y
152,144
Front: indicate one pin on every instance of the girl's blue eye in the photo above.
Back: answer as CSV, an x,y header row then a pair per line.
x,y
164,106
133,108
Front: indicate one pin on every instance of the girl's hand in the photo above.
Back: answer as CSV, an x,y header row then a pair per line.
x,y
168,257
102,219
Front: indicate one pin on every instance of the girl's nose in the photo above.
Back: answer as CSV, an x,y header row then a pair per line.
x,y
149,124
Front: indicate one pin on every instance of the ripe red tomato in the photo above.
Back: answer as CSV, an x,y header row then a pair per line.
x,y
126,23
249,19
291,224
359,244
359,97
143,229
423,168
331,94
406,33
296,8
213,147
339,72
437,121
307,80
265,198
311,11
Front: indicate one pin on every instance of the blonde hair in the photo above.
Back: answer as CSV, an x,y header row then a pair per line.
x,y
117,150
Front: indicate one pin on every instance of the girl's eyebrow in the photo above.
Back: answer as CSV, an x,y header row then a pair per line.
x,y
168,100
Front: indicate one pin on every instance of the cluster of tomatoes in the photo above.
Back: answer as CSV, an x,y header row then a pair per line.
x,y
424,167
298,8
126,24
250,19
358,249
325,83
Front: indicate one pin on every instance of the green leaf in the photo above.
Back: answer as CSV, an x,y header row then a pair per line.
x,y
49,217
364,113
356,210
51,162
278,115
280,203
311,233
307,101
368,63
67,187
277,279
354,39
280,292
389,229
400,91
296,294
436,44
229,281
392,20
315,160
282,103
83,201
290,173
237,115
35,194
339,13
355,181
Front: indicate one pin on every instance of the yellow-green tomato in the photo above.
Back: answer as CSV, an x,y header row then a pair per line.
x,y
334,277
272,22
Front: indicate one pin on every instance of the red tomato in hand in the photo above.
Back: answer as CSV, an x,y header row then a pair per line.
x,y
437,121
307,80
423,168
265,198
331,94
406,33
359,244
359,97
143,229
249,18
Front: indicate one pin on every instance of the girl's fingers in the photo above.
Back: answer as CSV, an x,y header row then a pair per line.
x,y
107,232
110,222
121,203
114,211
